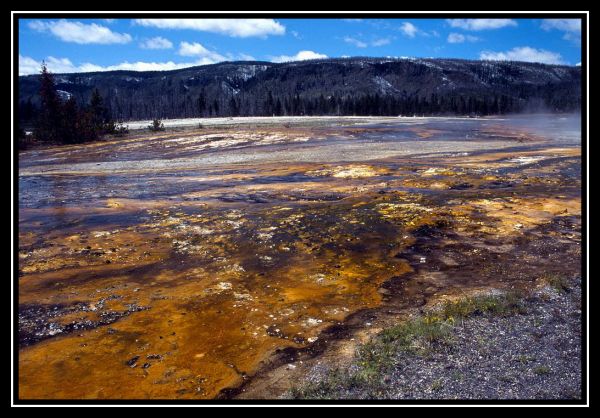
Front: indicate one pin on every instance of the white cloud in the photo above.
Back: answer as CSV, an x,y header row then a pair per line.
x,y
356,42
149,66
571,28
363,44
156,43
409,29
480,24
572,37
196,49
300,56
190,49
565,25
80,33
245,57
381,42
240,28
37,25
28,65
524,53
458,38
578,64
200,54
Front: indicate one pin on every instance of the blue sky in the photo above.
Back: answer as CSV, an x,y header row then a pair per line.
x,y
80,45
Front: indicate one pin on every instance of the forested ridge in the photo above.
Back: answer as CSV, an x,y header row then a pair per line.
x,y
345,86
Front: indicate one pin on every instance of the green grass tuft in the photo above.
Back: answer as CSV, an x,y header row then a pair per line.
x,y
499,305
541,370
558,282
420,336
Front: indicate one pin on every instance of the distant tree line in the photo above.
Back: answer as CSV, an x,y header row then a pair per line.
x,y
367,105
360,87
301,105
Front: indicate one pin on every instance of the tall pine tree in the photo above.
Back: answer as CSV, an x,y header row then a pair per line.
x,y
49,119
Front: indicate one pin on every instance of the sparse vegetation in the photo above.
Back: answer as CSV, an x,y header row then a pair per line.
x,y
420,336
377,358
118,129
156,126
541,370
507,304
525,359
417,336
24,140
558,282
437,385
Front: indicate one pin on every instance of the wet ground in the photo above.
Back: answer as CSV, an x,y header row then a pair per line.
x,y
193,263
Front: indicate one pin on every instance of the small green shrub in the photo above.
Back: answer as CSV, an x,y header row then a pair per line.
x,y
156,125
117,129
541,370
421,336
500,305
558,282
437,385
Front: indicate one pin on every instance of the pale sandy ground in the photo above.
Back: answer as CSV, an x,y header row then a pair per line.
x,y
278,120
253,149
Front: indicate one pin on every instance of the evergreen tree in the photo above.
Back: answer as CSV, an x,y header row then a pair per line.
x,y
99,114
233,107
66,122
278,108
70,123
48,124
201,104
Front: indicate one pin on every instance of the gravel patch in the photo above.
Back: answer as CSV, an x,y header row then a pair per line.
x,y
535,355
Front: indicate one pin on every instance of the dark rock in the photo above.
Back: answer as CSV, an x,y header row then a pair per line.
x,y
461,186
496,185
132,362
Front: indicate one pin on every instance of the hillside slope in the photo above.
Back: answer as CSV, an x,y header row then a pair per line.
x,y
350,86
